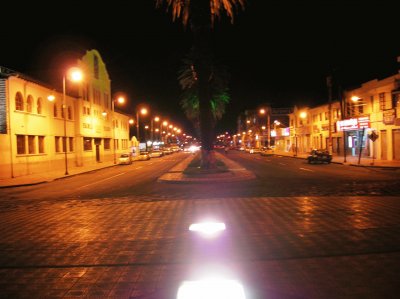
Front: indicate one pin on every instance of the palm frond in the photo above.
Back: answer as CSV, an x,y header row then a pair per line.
x,y
181,8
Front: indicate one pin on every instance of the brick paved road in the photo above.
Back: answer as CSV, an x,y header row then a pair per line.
x,y
279,247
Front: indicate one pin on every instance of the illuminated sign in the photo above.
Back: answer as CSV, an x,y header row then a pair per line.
x,y
353,124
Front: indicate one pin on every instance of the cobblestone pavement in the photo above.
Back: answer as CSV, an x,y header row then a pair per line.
x,y
140,247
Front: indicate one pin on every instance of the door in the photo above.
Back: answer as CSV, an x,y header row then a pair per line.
x,y
97,153
396,145
383,145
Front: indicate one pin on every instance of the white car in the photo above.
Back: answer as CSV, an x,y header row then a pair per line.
x,y
125,158
156,154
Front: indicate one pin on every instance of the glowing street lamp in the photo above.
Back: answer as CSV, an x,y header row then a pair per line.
x,y
75,75
154,119
119,100
264,111
142,111
302,115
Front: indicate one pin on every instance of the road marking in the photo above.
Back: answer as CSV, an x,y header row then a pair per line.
x,y
306,169
102,180
139,167
283,163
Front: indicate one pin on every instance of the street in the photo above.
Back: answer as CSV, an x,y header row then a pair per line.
x,y
296,231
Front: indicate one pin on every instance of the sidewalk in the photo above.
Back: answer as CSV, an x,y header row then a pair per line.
x,y
350,160
39,178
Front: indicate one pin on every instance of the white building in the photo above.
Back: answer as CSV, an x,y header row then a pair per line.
x,y
367,118
38,135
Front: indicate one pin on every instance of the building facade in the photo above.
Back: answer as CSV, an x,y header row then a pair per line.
x,y
39,135
365,123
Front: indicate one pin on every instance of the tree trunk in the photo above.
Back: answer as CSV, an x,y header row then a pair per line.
x,y
203,64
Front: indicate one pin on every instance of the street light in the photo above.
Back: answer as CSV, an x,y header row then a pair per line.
x,y
74,74
262,112
302,115
154,119
142,111
119,100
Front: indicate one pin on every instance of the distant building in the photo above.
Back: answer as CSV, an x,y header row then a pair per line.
x,y
38,135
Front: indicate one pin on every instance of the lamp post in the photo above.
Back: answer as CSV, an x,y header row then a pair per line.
x,y
302,115
75,75
268,112
155,119
142,111
119,100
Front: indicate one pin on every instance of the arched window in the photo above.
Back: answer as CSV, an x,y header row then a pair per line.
x,y
29,103
96,66
69,112
55,110
39,106
19,102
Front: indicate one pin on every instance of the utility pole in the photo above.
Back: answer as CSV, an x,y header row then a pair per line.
x,y
329,84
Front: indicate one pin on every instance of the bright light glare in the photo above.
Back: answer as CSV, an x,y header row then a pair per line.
x,y
215,288
75,74
207,228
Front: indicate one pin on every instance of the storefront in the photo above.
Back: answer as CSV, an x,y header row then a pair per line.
x,y
355,132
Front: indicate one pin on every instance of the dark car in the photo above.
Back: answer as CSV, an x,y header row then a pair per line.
x,y
319,156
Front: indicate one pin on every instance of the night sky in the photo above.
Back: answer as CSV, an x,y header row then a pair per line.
x,y
276,52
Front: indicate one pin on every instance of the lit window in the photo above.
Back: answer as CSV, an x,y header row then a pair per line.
x,y
71,144
41,144
39,106
19,102
57,144
29,103
21,144
31,144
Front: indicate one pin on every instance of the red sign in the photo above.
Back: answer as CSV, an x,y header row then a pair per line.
x,y
353,124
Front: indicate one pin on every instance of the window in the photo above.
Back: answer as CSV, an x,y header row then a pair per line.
x,y
69,112
55,110
39,106
21,144
29,103
96,96
57,144
63,111
31,144
64,144
395,100
96,66
382,101
71,144
106,100
41,144
107,144
87,143
19,102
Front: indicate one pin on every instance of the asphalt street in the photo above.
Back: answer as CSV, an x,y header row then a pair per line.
x,y
295,231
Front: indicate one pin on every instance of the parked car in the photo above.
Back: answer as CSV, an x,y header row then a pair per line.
x,y
156,154
267,151
125,158
319,156
143,156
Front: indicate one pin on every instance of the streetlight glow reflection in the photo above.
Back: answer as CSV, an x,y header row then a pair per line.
x,y
207,228
211,288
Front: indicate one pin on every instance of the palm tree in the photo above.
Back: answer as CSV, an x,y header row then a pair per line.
x,y
190,97
201,15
